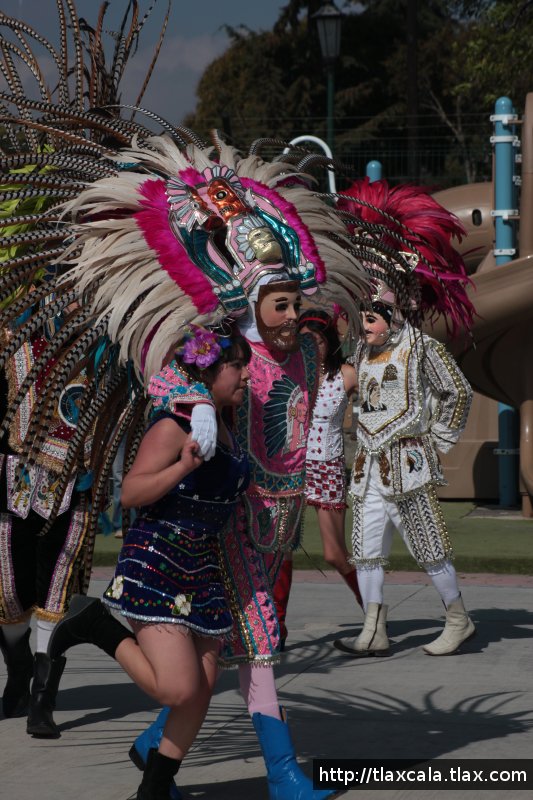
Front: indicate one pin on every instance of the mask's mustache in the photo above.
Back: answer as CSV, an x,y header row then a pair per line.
x,y
290,325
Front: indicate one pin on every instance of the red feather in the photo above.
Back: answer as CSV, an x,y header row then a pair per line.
x,y
428,228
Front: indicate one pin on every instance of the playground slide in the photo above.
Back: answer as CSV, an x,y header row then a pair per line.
x,y
498,360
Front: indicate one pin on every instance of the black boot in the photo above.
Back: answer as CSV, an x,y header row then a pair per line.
x,y
19,663
87,622
46,677
158,776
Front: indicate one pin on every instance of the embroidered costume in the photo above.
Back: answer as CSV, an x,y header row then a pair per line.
x,y
39,573
325,463
423,408
414,402
273,425
168,566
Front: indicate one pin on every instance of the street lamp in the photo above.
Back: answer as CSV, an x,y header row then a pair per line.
x,y
329,22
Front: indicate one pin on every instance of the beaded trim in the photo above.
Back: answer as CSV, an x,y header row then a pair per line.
x,y
425,526
277,525
269,360
34,491
66,561
216,634
255,636
10,607
61,427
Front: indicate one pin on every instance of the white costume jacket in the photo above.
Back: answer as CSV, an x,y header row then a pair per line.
x,y
414,401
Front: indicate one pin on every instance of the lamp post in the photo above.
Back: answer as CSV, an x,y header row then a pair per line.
x,y
329,22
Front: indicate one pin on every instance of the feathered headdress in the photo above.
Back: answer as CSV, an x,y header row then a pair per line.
x,y
135,237
403,236
57,138
131,237
183,235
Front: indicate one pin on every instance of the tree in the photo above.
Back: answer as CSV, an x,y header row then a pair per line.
x,y
273,83
487,56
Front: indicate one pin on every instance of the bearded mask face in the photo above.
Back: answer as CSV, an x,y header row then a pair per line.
x,y
276,312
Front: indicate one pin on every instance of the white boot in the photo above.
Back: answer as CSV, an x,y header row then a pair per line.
x,y
458,628
373,638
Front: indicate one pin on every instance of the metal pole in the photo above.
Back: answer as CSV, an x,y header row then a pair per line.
x,y
330,112
374,170
504,141
327,150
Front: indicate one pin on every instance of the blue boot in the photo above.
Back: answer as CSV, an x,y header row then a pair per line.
x,y
148,740
286,781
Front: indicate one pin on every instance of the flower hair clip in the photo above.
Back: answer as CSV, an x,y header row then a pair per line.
x,y
201,347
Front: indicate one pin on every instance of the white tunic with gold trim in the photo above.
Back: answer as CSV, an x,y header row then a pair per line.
x,y
414,402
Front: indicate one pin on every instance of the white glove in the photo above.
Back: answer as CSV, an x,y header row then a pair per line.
x,y
204,429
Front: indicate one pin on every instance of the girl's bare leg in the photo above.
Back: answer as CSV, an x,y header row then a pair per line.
x,y
331,525
134,662
185,667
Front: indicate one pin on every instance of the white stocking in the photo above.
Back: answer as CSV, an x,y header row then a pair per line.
x,y
444,580
44,631
371,580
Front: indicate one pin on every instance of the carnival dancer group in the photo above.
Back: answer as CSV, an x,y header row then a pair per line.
x,y
184,302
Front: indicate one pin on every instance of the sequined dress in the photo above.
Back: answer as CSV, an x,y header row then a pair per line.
x,y
168,568
325,485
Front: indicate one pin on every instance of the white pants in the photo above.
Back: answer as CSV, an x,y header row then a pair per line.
x,y
419,521
417,517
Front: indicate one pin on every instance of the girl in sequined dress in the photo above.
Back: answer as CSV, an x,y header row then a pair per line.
x,y
167,582
325,464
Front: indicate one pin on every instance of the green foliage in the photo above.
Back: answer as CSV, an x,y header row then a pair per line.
x,y
10,208
262,84
496,55
469,52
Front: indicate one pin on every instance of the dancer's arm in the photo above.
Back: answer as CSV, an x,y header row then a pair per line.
x,y
349,376
156,469
453,393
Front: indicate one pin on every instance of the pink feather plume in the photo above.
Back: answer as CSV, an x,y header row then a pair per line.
x,y
153,222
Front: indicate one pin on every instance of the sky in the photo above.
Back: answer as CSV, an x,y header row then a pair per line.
x,y
193,39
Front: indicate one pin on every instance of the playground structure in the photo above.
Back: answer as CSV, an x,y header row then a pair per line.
x,y
497,361
493,461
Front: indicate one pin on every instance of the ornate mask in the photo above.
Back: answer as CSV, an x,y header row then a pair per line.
x,y
235,234
280,337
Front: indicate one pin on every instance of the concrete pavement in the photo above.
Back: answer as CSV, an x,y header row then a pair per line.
x,y
478,704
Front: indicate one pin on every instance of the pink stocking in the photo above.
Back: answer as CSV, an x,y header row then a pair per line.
x,y
259,689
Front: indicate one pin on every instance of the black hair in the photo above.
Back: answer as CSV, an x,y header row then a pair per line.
x,y
321,322
383,309
238,348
